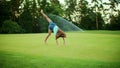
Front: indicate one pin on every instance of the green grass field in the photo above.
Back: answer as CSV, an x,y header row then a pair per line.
x,y
89,49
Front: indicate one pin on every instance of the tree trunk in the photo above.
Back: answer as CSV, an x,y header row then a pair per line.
x,y
96,22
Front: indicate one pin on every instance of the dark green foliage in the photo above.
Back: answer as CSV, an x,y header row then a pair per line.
x,y
26,21
113,26
43,24
101,22
9,26
70,4
87,23
88,20
53,7
114,23
4,11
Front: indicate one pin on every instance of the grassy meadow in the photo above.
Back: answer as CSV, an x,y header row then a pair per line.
x,y
88,49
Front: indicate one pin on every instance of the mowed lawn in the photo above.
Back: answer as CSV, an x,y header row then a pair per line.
x,y
88,49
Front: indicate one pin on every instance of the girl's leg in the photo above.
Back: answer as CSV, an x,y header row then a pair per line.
x,y
64,41
56,40
46,17
59,34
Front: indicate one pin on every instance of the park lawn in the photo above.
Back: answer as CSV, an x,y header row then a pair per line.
x,y
88,49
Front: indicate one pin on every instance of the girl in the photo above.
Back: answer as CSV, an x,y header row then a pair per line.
x,y
53,28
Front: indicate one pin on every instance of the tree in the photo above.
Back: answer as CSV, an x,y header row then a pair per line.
x,y
83,12
4,11
113,15
9,26
15,4
115,25
70,10
56,7
26,18
96,9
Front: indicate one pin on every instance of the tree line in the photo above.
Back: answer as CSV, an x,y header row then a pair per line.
x,y
23,16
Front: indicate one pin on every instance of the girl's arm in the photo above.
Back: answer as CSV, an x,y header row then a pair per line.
x,y
49,33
